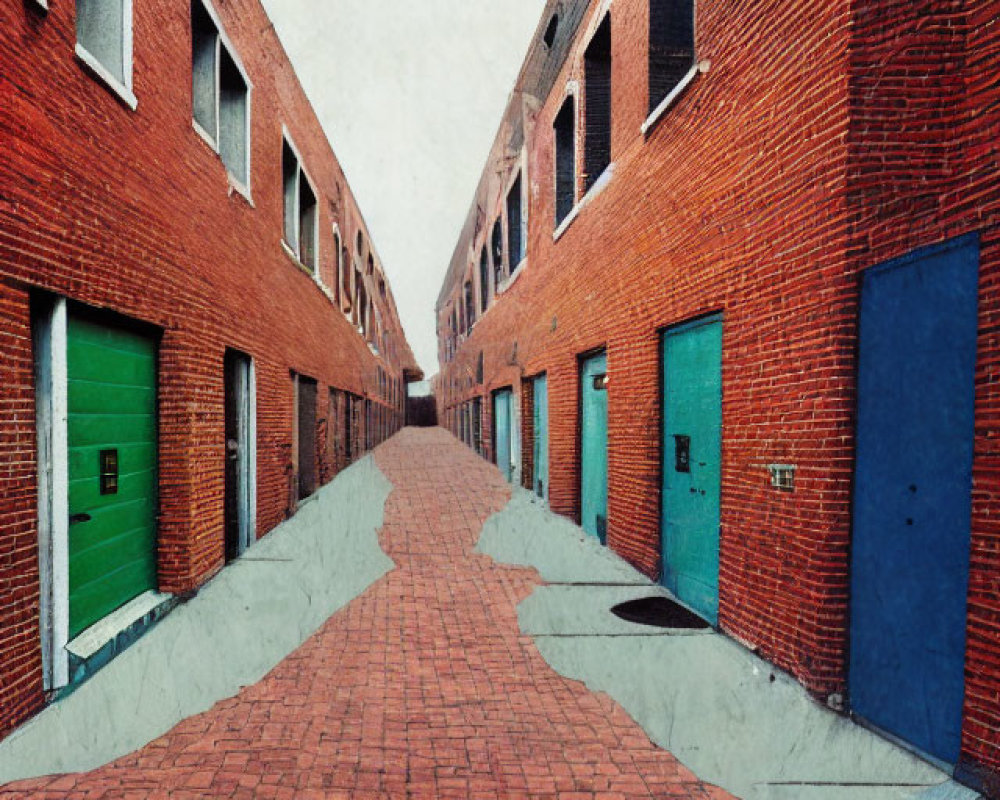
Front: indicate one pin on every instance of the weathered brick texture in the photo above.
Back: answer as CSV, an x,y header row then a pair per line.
x,y
823,138
132,211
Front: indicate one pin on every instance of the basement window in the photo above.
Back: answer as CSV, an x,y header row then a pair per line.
x,y
565,144
515,224
301,210
597,99
671,47
220,95
497,248
484,281
104,43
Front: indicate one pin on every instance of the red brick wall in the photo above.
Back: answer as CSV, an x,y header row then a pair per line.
x,y
700,216
131,211
923,168
21,688
823,139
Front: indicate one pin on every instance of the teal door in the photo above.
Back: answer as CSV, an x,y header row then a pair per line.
x,y
111,427
501,430
541,430
692,455
594,447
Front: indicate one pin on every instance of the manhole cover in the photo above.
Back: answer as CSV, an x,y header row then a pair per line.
x,y
661,612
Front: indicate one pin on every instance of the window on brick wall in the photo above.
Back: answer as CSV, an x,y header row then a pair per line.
x,y
308,228
470,305
515,224
104,42
338,278
301,210
671,46
220,94
345,276
484,281
234,119
497,250
565,143
597,104
551,30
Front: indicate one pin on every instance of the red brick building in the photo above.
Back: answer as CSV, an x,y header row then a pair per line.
x,y
195,329
761,241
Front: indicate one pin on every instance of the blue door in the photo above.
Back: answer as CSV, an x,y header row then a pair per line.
x,y
541,429
912,495
692,463
594,447
501,430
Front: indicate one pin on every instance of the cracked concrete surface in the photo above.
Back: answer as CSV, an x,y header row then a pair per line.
x,y
240,625
726,714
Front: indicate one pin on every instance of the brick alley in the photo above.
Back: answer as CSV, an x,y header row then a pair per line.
x,y
423,686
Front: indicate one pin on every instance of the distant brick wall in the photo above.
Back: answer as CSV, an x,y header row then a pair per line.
x,y
824,138
131,211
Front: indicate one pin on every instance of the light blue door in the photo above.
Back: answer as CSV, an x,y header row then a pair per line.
x,y
692,449
594,447
541,429
910,549
501,430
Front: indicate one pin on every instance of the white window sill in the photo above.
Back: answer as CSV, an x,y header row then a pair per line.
x,y
599,185
95,66
209,139
295,259
511,279
236,185
670,99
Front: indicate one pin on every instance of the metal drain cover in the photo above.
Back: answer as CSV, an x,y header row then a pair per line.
x,y
660,612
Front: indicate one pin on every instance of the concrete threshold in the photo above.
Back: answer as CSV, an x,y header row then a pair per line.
x,y
238,627
732,718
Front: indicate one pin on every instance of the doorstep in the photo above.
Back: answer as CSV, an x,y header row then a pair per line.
x,y
118,631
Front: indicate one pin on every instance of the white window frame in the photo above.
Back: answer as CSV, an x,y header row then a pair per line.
x,y
292,248
522,171
696,68
213,140
122,89
572,90
338,246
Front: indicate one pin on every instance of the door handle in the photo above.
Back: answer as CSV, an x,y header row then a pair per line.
x,y
75,518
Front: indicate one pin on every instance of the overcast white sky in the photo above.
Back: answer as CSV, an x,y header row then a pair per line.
x,y
410,93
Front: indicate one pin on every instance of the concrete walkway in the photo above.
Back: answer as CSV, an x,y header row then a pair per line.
x,y
452,675
726,714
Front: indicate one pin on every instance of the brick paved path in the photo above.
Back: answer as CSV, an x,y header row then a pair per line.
x,y
422,687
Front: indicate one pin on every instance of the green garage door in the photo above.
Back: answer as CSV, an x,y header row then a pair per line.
x,y
112,469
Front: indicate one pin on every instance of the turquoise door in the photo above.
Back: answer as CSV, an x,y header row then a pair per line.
x,y
501,430
541,430
692,454
594,447
111,427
